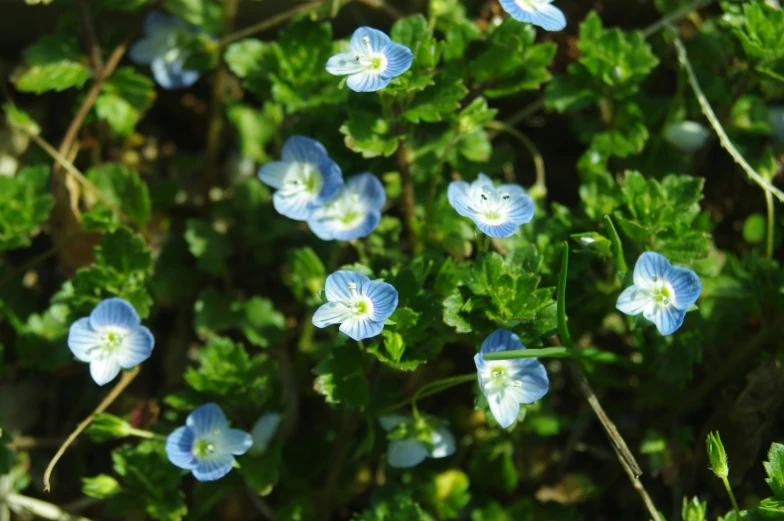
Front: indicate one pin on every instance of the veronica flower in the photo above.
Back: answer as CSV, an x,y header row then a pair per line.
x,y
263,432
358,304
206,445
353,213
110,339
498,212
687,136
661,292
372,61
305,178
409,452
163,48
508,383
536,12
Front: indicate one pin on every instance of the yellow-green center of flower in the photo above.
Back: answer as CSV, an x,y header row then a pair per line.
x,y
202,448
360,308
662,292
112,340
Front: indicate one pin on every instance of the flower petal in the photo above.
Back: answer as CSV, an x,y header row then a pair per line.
x,y
343,64
332,180
214,467
235,441
686,286
666,318
331,313
179,446
367,82
136,348
263,432
82,338
459,196
337,285
302,150
145,50
114,312
405,453
104,370
376,40
504,407
531,376
171,76
633,300
390,421
327,228
206,420
274,173
542,14
296,205
360,328
368,189
443,443
500,231
157,22
399,59
501,340
384,298
650,268
520,209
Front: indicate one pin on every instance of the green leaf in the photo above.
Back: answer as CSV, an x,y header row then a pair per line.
x,y
6,454
106,427
694,510
125,96
123,188
475,116
100,486
306,275
341,377
208,246
149,481
53,63
202,13
774,468
627,136
754,228
227,370
761,33
396,508
448,493
255,128
369,134
25,203
245,57
20,119
435,102
256,317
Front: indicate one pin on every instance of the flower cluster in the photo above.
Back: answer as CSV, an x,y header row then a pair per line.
x,y
309,187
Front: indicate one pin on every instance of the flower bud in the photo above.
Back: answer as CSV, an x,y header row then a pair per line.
x,y
717,456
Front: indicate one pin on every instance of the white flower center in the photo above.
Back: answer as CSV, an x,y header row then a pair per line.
x,y
359,304
662,292
346,212
112,339
492,205
303,178
497,378
530,5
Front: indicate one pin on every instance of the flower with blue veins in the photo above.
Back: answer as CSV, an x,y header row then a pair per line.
x,y
163,48
508,383
358,304
305,178
263,432
536,12
206,445
110,339
496,211
372,61
406,448
661,292
353,213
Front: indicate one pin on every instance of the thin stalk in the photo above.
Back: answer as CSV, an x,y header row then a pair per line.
x,y
147,435
57,156
590,354
28,505
430,389
675,16
732,497
563,328
616,246
529,145
125,380
771,223
724,139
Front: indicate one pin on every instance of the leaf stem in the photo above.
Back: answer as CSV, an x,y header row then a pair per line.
x,y
769,245
732,496
591,355
617,247
430,389
683,58
563,328
125,380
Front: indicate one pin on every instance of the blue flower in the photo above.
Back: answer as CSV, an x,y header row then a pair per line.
x,y
410,451
498,212
661,292
508,383
372,61
206,445
110,339
163,48
358,304
263,432
353,213
537,12
687,136
305,178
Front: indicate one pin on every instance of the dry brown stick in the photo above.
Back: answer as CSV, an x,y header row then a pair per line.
x,y
91,42
125,380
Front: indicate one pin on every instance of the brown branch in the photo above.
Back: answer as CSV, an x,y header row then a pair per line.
x,y
125,380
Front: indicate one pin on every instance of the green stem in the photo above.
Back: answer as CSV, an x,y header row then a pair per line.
x,y
429,390
139,433
563,328
483,242
589,354
617,247
732,497
771,224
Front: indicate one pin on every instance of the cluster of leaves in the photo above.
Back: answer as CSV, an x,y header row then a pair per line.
x,y
228,286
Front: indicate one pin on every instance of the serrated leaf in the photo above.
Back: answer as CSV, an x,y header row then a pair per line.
x,y
208,246
25,203
53,63
125,96
124,188
369,134
774,467
341,377
256,317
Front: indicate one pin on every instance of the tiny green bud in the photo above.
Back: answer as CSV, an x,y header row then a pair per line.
x,y
108,426
717,456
